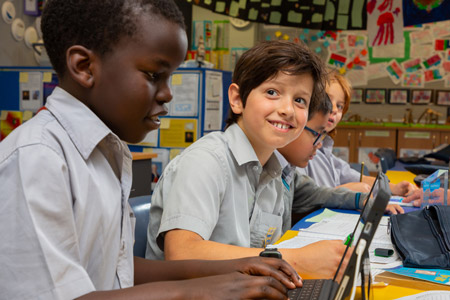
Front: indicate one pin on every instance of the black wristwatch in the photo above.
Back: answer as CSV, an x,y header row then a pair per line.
x,y
271,252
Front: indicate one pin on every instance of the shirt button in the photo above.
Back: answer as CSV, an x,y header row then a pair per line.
x,y
256,168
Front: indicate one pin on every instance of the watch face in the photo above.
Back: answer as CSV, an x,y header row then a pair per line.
x,y
239,23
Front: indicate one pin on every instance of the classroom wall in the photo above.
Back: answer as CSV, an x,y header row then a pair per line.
x,y
245,37
255,32
12,52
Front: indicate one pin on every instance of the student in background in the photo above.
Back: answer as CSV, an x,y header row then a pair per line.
x,y
66,225
301,191
328,170
235,203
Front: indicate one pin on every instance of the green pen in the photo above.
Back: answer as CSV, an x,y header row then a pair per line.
x,y
349,240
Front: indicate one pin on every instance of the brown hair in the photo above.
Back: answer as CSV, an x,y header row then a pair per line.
x,y
266,59
335,76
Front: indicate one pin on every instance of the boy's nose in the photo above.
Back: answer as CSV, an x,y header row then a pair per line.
x,y
286,107
164,93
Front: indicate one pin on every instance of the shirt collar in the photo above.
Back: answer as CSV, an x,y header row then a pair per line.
x,y
244,153
327,144
286,167
83,126
239,145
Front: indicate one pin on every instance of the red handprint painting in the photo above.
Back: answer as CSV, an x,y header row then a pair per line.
x,y
384,22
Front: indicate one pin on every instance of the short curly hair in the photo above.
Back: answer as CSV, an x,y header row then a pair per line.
x,y
266,59
96,24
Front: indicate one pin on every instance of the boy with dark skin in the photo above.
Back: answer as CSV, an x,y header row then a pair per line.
x,y
65,219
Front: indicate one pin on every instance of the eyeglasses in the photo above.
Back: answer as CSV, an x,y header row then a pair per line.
x,y
319,136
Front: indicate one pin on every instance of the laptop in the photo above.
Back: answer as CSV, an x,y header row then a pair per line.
x,y
369,218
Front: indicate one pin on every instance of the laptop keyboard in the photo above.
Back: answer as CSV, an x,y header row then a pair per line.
x,y
311,289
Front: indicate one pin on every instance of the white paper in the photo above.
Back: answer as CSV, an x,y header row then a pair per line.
x,y
185,95
31,89
430,295
213,101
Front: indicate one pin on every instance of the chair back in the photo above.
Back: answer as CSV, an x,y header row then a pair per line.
x,y
141,208
387,158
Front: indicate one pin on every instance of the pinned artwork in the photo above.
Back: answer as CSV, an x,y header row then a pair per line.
x,y
425,11
398,96
443,97
357,95
385,22
375,96
421,96
314,14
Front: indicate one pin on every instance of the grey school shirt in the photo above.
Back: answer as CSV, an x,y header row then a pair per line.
x,y
328,170
218,189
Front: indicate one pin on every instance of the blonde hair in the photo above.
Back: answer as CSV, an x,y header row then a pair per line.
x,y
346,87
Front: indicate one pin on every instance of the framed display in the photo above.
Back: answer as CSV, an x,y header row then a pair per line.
x,y
375,96
443,98
398,96
357,95
421,96
31,7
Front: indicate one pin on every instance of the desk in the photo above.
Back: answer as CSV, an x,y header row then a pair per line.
x,y
396,288
142,173
398,176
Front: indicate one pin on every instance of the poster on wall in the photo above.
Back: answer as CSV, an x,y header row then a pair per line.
x,y
371,161
425,11
328,15
213,101
30,91
385,22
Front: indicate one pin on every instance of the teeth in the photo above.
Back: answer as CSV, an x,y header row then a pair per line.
x,y
154,118
281,126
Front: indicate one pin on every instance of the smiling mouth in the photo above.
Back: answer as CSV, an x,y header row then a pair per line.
x,y
280,125
154,119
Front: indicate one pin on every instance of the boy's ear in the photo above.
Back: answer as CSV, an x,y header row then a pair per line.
x,y
235,99
80,65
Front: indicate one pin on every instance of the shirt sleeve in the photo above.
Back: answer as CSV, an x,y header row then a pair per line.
x,y
345,172
190,193
308,196
40,254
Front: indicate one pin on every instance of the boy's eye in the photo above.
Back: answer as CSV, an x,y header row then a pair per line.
x,y
301,101
272,92
152,76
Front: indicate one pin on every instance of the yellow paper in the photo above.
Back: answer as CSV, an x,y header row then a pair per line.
x,y
165,123
173,153
177,79
23,77
47,77
181,134
28,114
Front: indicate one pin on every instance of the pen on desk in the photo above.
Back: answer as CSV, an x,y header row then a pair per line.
x,y
362,171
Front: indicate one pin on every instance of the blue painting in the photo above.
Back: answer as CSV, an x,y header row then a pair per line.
x,y
425,11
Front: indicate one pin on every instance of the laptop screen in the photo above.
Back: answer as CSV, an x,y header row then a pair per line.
x,y
362,216
370,217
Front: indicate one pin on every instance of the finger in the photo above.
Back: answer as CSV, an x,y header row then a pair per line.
x,y
416,203
268,288
293,276
397,209
282,271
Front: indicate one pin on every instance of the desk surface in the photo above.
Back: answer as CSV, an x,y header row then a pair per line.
x,y
398,176
143,155
393,290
